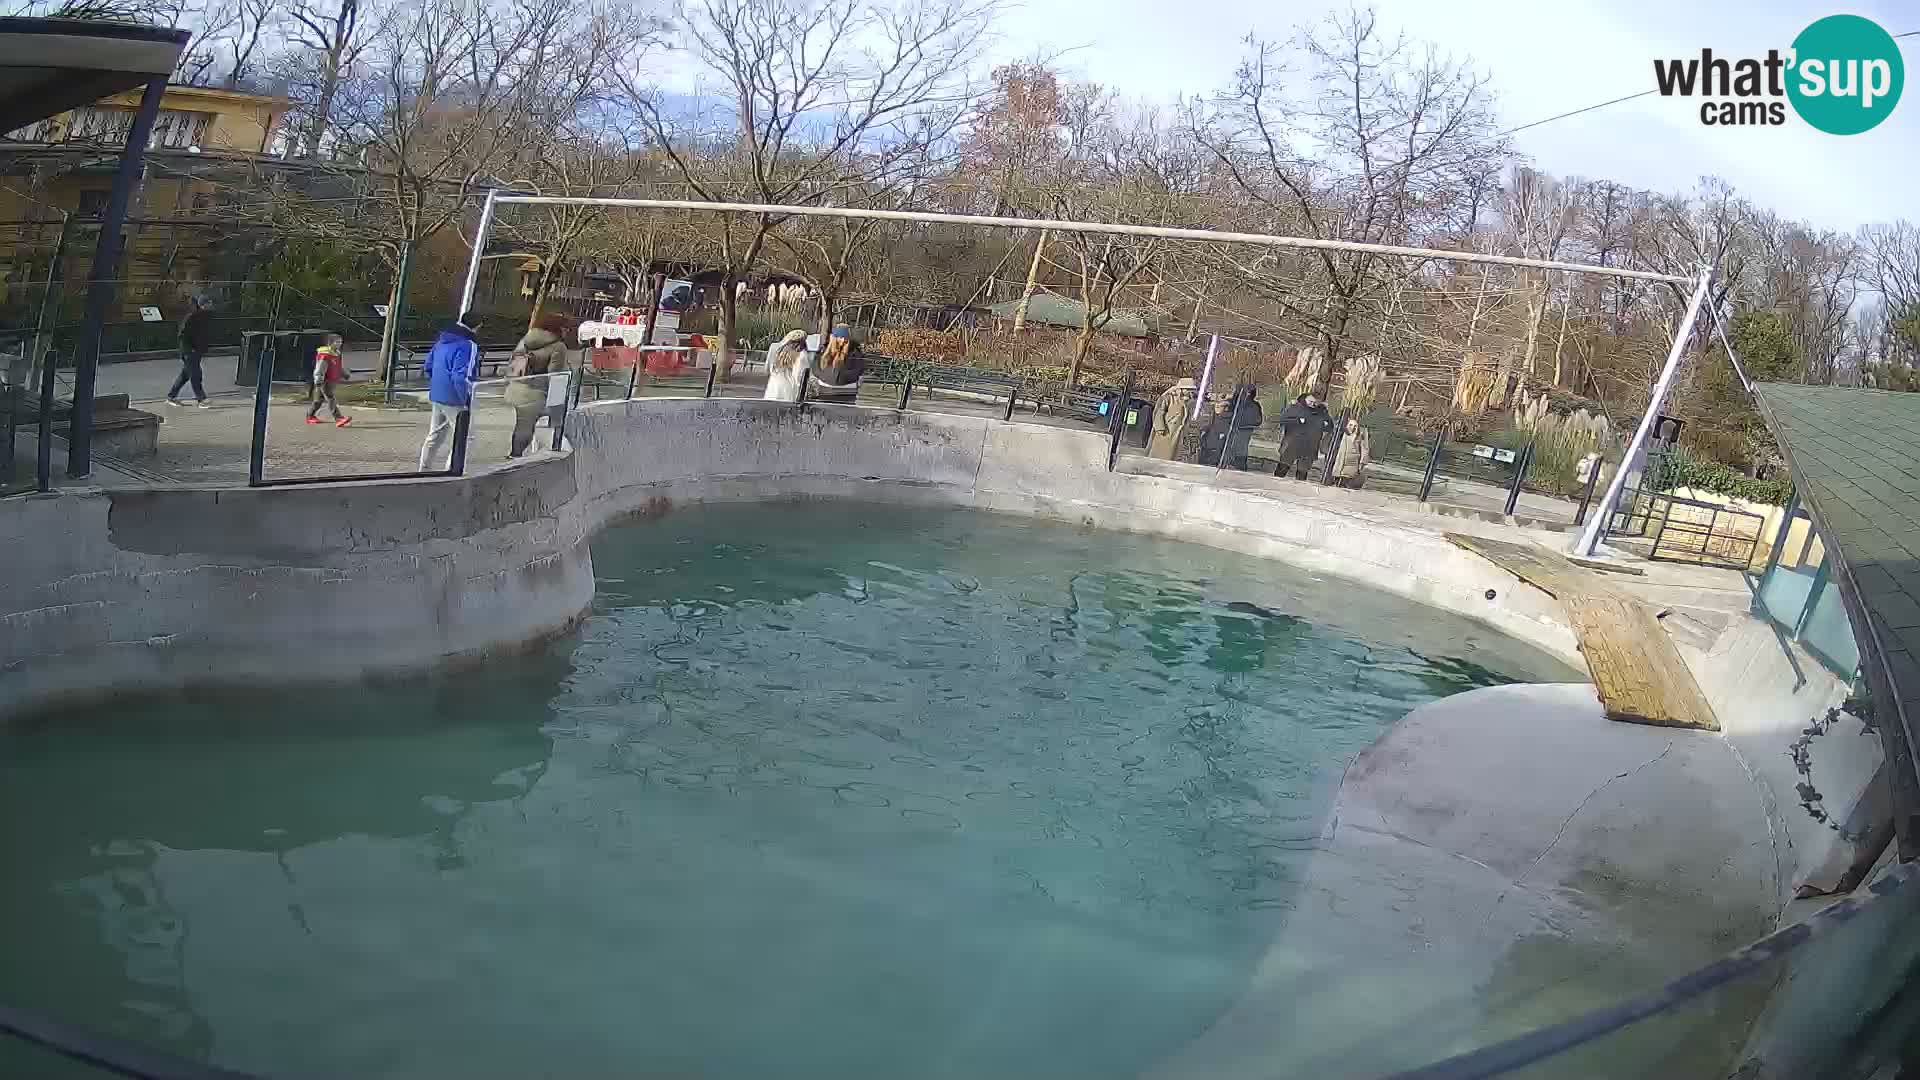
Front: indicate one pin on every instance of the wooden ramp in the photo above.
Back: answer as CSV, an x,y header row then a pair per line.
x,y
1640,675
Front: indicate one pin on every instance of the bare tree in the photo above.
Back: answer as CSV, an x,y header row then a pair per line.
x,y
1381,154
824,97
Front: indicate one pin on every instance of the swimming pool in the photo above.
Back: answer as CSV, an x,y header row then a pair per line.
x,y
819,789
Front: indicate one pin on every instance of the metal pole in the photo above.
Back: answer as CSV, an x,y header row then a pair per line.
x,y
1519,477
102,280
262,397
53,275
1589,540
479,245
1013,395
1333,451
560,423
633,373
806,378
1786,526
1433,465
43,469
711,372
1586,493
462,423
1206,375
1261,239
396,312
1120,420
906,388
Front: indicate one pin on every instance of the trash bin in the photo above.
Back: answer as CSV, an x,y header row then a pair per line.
x,y
1137,424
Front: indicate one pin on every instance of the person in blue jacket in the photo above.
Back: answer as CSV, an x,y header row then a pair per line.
x,y
451,366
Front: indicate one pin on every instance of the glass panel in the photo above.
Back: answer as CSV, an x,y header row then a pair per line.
x,y
1783,594
1828,635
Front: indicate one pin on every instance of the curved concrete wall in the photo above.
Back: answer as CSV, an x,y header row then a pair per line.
x,y
641,454
163,588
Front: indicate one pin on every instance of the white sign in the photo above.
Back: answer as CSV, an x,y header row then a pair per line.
x,y
380,310
1494,453
149,314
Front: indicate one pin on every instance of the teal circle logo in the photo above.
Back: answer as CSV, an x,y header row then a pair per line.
x,y
1847,74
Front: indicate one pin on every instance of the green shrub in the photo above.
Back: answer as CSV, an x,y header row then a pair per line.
x,y
1679,468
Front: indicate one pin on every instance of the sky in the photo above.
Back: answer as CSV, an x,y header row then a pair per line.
x,y
1546,59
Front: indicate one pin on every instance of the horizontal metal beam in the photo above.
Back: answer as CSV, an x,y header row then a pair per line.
x,y
983,221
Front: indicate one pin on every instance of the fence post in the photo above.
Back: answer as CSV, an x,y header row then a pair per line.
x,y
633,373
1013,394
1433,465
1519,476
906,390
462,423
262,397
43,465
712,372
1333,451
1586,494
806,379
1119,425
567,403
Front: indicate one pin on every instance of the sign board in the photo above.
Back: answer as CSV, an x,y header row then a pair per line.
x,y
149,314
381,310
1494,453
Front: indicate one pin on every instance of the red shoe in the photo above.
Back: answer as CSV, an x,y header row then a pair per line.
x,y
313,419
343,421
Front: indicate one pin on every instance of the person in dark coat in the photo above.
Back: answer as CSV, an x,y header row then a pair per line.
x,y
1303,425
196,333
1231,430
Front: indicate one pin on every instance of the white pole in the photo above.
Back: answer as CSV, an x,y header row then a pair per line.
x,y
1206,375
1589,540
479,245
1261,239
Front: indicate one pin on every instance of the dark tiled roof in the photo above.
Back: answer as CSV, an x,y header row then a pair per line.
x,y
1855,456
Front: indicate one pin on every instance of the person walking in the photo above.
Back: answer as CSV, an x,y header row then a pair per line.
x,y
542,350
329,370
1171,414
1350,460
450,367
785,363
1303,424
196,333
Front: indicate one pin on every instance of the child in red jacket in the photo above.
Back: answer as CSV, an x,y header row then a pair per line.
x,y
328,370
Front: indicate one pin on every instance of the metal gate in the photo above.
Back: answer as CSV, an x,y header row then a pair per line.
x,y
1704,533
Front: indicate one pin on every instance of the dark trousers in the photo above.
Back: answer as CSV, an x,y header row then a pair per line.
x,y
1297,465
323,394
189,373
524,417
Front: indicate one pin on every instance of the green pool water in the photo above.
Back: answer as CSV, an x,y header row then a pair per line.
x,y
818,790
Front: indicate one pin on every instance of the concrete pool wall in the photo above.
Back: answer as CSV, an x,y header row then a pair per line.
x,y
163,588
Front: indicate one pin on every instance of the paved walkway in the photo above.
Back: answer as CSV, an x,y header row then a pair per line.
x,y
211,446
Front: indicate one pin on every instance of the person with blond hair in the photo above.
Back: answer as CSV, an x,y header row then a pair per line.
x,y
786,362
837,371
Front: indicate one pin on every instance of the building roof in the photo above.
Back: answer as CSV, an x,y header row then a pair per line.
x,y
48,66
1048,309
1855,457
